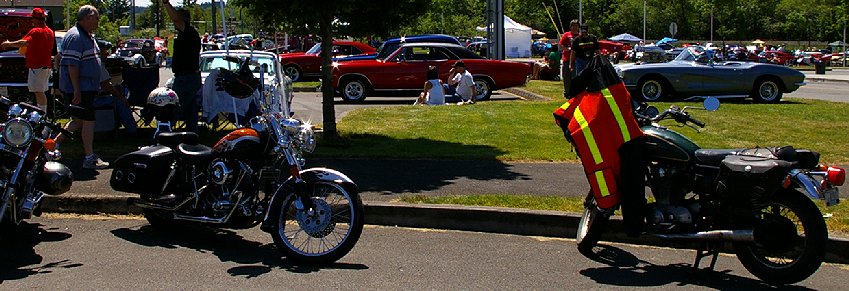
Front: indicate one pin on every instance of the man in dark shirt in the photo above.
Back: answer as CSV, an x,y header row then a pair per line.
x,y
185,64
584,48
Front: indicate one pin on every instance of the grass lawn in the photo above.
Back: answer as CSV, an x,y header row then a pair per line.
x,y
525,130
838,223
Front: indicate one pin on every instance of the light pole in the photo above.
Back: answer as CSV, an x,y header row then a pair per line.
x,y
581,12
644,20
711,22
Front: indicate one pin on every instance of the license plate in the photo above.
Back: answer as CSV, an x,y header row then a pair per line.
x,y
832,197
4,91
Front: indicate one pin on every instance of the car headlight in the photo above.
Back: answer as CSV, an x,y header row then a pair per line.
x,y
17,132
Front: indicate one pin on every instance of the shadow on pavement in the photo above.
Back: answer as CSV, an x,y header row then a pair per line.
x,y
256,258
18,258
411,175
625,270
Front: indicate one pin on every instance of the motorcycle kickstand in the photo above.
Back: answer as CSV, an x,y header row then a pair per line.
x,y
706,249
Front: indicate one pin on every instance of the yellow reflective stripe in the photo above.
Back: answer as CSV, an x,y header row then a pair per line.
x,y
626,136
602,184
588,135
566,105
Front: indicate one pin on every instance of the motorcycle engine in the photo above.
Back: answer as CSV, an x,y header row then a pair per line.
x,y
227,179
672,209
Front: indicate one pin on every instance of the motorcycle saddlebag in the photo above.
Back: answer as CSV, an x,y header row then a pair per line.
x,y
144,171
751,176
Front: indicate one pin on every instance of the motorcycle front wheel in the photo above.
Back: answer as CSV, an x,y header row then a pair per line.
x,y
790,240
592,225
324,234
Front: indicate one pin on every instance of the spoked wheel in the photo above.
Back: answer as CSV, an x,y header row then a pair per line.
x,y
651,90
767,91
592,225
354,91
324,234
790,240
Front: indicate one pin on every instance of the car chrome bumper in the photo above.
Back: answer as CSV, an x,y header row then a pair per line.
x,y
800,84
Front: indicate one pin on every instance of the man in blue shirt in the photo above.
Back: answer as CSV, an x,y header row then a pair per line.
x,y
79,80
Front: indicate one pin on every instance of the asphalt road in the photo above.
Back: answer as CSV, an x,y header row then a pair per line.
x,y
102,253
828,91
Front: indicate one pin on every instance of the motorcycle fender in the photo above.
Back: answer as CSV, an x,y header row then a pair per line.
x,y
811,186
310,176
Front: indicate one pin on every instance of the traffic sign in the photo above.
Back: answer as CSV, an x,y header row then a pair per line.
x,y
673,28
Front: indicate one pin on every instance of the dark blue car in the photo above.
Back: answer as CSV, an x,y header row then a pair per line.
x,y
391,45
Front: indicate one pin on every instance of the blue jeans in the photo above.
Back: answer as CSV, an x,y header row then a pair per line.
x,y
125,116
580,65
186,86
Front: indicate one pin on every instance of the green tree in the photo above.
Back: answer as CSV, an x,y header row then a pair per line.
x,y
329,18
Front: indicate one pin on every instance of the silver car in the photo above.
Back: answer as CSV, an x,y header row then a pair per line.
x,y
693,73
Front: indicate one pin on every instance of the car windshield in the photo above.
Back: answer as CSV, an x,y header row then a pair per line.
x,y
132,44
692,54
314,50
385,50
208,64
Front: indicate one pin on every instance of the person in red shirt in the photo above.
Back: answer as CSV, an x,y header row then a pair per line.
x,y
39,43
566,48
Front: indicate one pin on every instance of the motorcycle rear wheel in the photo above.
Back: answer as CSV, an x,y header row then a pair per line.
x,y
789,217
592,225
327,235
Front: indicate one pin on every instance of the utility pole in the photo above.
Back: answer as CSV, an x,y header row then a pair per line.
x,y
157,16
214,30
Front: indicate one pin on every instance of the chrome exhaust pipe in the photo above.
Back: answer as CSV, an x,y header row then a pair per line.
x,y
150,205
712,235
204,219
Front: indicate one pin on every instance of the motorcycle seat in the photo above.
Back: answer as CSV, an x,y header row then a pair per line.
x,y
714,157
194,153
172,139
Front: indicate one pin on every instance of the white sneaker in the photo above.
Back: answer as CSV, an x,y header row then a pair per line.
x,y
94,162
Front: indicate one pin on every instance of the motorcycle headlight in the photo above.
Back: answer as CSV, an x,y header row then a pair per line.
x,y
306,137
17,133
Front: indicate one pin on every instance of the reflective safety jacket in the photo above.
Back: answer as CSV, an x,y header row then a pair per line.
x,y
598,121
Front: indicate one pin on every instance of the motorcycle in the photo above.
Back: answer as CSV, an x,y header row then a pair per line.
x,y
253,175
753,198
28,169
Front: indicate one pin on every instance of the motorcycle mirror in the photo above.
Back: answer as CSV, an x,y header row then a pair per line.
x,y
652,112
711,104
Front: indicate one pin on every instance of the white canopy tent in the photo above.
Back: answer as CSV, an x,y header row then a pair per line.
x,y
517,39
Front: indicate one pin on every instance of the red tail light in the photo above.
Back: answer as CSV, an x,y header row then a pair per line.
x,y
836,176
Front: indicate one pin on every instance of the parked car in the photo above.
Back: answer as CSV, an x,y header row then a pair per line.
x,y
776,57
308,64
391,45
692,73
14,24
404,70
139,53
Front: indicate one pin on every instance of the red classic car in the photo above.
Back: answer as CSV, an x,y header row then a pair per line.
x,y
405,69
308,64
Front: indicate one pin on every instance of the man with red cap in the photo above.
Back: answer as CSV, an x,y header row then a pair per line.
x,y
39,43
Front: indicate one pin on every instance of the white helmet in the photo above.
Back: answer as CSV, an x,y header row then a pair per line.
x,y
162,96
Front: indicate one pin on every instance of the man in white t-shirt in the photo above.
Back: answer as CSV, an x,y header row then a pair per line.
x,y
462,79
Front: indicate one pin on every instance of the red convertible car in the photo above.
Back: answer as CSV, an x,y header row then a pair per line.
x,y
308,64
405,69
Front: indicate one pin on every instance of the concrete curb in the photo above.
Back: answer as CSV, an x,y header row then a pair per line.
x,y
525,94
815,79
481,219
305,89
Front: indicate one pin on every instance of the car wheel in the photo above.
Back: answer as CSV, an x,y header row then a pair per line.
x,y
293,72
767,91
141,63
651,90
354,90
484,88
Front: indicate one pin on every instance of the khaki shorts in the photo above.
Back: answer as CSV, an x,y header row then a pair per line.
x,y
38,79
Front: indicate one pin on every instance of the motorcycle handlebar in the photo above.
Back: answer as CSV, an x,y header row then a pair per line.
x,y
58,128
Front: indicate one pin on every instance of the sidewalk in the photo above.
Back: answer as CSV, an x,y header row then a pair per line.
x,y
835,75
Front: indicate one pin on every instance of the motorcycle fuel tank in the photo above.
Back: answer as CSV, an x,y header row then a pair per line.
x,y
664,144
239,143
